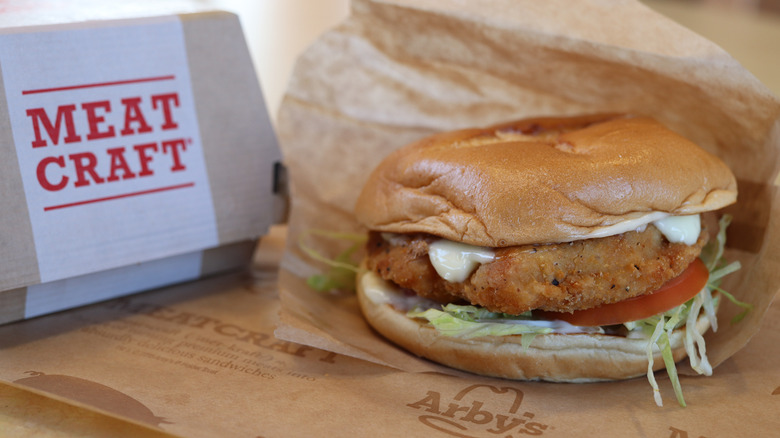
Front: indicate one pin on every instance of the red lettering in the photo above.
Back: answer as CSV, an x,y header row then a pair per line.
x,y
165,101
85,163
118,162
64,113
41,172
175,146
94,119
144,158
133,114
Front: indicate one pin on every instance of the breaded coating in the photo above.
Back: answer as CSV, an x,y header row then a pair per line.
x,y
556,277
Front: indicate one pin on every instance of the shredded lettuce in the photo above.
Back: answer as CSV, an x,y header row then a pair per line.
x,y
747,306
688,313
458,322
480,314
712,253
694,341
343,269
659,330
666,353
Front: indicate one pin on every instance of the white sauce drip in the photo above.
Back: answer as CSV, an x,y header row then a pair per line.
x,y
381,291
556,325
455,261
627,225
676,229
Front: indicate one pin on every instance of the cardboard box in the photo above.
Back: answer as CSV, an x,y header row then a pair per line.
x,y
136,153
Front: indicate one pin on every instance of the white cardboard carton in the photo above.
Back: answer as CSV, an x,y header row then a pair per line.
x,y
136,153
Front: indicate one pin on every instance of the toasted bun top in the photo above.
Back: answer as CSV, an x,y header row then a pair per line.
x,y
543,180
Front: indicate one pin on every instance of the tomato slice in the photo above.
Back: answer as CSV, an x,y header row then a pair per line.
x,y
673,293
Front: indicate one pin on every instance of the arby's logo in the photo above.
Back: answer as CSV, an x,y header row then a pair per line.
x,y
478,411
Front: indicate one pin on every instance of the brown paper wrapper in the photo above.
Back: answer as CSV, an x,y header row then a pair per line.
x,y
397,70
212,357
201,360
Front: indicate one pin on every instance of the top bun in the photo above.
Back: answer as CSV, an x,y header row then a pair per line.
x,y
543,180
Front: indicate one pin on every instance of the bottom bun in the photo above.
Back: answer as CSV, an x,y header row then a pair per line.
x,y
550,357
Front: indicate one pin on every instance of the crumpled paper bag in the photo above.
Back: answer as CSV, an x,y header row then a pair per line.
x,y
398,70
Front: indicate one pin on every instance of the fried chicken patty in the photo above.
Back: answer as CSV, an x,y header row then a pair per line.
x,y
555,277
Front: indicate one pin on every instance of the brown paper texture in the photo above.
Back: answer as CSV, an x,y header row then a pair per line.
x,y
201,360
398,70
59,419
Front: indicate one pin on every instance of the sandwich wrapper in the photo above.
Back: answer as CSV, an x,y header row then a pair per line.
x,y
247,355
397,71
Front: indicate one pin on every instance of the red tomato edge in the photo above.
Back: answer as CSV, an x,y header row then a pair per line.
x,y
696,274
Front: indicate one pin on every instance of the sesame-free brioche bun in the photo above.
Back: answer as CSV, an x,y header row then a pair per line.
x,y
543,180
551,357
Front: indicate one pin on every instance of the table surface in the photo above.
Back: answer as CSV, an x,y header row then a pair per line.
x,y
752,39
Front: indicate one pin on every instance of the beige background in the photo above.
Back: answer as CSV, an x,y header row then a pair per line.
x,y
277,30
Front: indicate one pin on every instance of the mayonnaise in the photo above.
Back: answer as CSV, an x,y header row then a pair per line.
x,y
557,326
375,288
679,228
676,229
455,261
627,225
381,291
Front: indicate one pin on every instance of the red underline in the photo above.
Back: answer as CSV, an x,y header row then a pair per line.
x,y
99,84
125,195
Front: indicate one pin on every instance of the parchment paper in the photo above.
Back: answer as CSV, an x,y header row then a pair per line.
x,y
398,70
200,360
